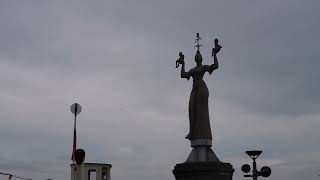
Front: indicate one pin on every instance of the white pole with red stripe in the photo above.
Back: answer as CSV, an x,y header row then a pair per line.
x,y
75,109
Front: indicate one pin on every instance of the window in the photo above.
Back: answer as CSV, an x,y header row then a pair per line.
x,y
92,175
104,174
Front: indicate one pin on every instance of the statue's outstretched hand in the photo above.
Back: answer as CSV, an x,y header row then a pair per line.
x,y
180,60
217,47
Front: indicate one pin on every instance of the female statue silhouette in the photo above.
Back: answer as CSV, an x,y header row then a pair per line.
x,y
198,103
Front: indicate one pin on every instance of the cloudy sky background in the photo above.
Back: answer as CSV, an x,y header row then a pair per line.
x,y
117,59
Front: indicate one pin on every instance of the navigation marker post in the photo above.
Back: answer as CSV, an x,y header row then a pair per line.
x,y
264,172
75,109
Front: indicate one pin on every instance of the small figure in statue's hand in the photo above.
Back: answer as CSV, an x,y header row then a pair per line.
x,y
180,60
216,48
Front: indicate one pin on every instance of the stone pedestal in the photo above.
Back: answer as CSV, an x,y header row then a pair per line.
x,y
202,152
203,171
203,164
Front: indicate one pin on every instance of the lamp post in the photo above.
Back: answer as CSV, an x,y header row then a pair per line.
x,y
264,172
75,109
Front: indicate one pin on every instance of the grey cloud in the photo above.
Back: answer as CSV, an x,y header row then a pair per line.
x,y
116,58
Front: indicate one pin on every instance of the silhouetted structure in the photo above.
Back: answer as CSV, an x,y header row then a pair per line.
x,y
75,108
81,170
202,163
88,171
15,176
264,172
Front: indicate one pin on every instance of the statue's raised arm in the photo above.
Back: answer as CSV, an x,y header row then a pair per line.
x,y
183,73
215,51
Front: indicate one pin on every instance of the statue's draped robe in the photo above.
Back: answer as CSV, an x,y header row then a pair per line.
x,y
198,105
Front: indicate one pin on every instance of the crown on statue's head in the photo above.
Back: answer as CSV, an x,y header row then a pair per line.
x,y
197,41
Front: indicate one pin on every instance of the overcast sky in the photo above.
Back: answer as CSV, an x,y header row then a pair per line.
x,y
117,59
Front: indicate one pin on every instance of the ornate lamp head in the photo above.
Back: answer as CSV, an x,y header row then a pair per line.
x,y
197,41
198,57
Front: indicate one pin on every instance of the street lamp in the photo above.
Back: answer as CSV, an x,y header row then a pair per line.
x,y
264,172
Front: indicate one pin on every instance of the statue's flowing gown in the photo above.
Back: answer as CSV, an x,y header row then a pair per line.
x,y
198,105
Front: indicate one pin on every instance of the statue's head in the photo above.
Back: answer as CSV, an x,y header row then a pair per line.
x,y
198,57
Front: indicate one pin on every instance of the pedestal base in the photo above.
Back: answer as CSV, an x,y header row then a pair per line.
x,y
203,171
202,154
201,151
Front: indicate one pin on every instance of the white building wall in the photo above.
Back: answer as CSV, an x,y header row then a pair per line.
x,y
82,172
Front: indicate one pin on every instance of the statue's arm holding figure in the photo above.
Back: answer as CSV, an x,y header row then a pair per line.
x,y
183,74
215,50
214,66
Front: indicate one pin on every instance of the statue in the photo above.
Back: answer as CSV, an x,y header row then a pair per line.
x,y
202,162
198,102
